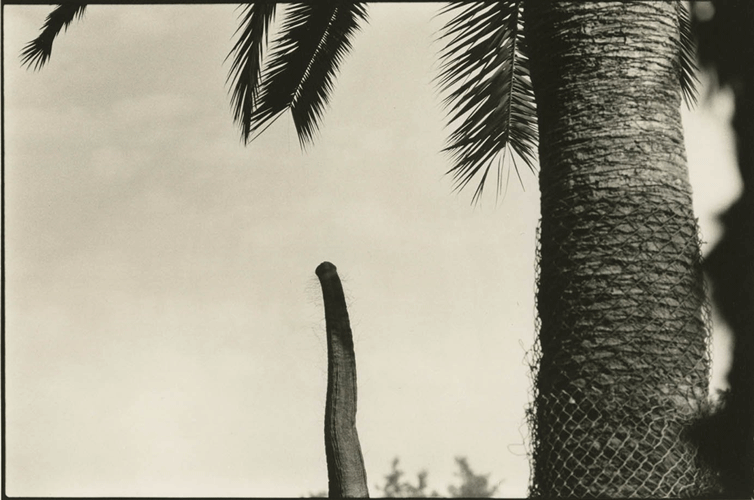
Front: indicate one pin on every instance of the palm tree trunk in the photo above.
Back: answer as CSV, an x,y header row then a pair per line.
x,y
623,341
345,465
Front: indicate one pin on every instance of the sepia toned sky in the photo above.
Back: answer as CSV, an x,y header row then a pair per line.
x,y
164,326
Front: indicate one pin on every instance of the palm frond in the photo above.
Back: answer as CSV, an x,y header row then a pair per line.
x,y
484,71
306,55
316,88
687,51
37,52
246,69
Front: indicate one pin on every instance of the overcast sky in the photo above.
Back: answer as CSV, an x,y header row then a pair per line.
x,y
165,331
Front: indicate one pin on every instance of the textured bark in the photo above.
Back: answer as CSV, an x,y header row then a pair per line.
x,y
623,342
345,465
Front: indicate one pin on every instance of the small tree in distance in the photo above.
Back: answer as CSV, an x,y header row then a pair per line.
x,y
394,488
472,485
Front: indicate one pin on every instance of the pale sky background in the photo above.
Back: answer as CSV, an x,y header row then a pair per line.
x,y
165,330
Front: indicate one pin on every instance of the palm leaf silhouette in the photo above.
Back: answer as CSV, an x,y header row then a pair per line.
x,y
246,70
304,58
37,52
484,70
687,53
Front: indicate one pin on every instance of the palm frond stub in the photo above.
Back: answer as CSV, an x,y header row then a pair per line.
x,y
37,52
687,52
484,72
246,70
304,58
